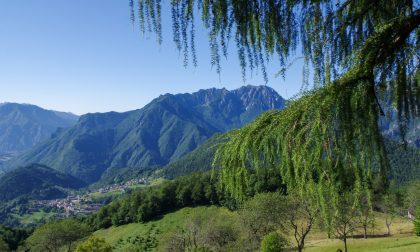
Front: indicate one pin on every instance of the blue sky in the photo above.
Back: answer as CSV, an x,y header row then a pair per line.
x,y
85,56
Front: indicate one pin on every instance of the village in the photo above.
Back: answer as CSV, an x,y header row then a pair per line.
x,y
77,204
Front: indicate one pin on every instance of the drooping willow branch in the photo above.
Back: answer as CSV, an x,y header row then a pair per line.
x,y
326,142
326,32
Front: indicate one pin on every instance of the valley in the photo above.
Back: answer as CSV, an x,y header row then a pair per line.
x,y
32,212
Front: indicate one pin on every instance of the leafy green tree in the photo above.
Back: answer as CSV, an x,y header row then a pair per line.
x,y
4,246
94,244
57,235
412,195
214,231
273,242
13,237
262,214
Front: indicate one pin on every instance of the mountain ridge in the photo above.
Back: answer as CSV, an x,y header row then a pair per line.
x,y
164,130
24,125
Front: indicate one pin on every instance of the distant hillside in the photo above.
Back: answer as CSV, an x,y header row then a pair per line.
x,y
405,162
199,160
163,131
22,126
37,182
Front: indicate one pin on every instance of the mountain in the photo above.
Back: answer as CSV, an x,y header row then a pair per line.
x,y
198,160
163,131
391,130
390,125
22,126
36,181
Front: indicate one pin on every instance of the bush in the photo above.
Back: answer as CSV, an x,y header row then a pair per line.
x,y
273,242
94,244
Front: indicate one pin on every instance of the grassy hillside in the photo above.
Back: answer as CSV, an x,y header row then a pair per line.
x,y
123,237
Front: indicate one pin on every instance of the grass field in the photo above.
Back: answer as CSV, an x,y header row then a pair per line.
x,y
394,243
401,240
168,224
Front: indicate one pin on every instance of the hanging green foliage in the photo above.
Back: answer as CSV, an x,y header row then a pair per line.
x,y
328,33
327,141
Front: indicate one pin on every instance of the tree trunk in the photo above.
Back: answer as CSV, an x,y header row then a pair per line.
x,y
300,247
345,243
365,231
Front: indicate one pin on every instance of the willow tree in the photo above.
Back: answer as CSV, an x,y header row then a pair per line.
x,y
328,140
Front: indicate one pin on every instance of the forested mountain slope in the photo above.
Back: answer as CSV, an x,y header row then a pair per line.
x,y
37,182
163,131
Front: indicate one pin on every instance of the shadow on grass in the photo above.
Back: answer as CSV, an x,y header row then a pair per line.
x,y
371,236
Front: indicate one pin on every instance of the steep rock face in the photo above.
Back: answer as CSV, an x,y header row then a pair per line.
x,y
163,131
22,126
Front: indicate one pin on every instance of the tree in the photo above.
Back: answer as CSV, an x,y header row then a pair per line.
x,y
262,214
366,220
329,137
4,246
13,237
366,216
390,210
273,242
94,244
417,222
301,215
209,230
345,218
412,196
57,235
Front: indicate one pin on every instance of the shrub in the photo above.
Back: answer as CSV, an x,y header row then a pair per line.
x,y
94,244
273,242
